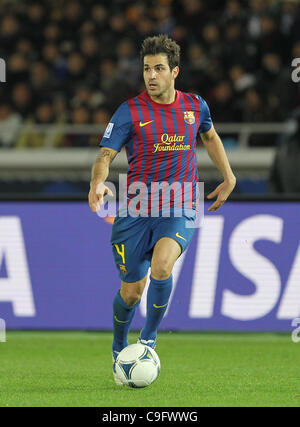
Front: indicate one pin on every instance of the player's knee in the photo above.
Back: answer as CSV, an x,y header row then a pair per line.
x,y
131,299
131,295
161,269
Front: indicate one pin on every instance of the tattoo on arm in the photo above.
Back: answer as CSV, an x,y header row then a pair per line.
x,y
106,155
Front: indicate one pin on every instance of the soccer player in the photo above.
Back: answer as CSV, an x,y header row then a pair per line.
x,y
158,129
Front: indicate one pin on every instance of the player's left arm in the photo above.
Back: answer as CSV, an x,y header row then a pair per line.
x,y
216,152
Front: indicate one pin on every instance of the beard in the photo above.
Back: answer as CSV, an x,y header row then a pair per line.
x,y
158,91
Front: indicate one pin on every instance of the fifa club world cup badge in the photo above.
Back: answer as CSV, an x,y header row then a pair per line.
x,y
189,117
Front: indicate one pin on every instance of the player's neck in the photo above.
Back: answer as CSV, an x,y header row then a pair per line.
x,y
167,97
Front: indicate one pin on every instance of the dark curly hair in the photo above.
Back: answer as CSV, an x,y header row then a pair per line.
x,y
161,44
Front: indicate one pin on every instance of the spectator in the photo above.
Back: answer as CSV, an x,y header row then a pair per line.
x,y
112,84
193,12
241,80
36,18
145,28
270,38
128,62
60,107
255,110
211,40
9,34
165,20
101,117
90,49
17,68
10,123
22,99
223,104
288,16
285,172
72,18
118,25
57,48
83,96
233,13
76,67
25,48
55,63
257,8
234,44
80,116
41,80
30,137
194,75
272,78
99,15
52,34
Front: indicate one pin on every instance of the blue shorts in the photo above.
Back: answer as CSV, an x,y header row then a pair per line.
x,y
133,240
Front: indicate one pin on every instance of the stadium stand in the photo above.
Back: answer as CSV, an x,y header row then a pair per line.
x,y
73,63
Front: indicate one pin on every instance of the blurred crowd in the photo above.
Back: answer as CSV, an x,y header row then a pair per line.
x,y
74,62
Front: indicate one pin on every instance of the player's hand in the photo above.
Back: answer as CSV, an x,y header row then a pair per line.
x,y
96,195
222,192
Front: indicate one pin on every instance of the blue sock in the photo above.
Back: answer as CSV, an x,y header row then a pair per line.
x,y
122,319
157,301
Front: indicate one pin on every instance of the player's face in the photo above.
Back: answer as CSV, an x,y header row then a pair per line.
x,y
158,76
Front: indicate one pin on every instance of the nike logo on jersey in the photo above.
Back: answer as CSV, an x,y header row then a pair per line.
x,y
146,123
159,306
180,237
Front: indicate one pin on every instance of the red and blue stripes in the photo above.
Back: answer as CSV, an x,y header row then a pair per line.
x,y
154,124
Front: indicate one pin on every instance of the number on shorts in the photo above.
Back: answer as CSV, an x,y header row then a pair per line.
x,y
121,251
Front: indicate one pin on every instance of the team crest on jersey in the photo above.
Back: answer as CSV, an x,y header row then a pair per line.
x,y
122,268
189,117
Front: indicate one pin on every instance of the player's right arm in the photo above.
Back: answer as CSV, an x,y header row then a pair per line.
x,y
100,171
117,133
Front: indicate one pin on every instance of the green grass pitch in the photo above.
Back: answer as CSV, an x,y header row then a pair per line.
x,y
73,368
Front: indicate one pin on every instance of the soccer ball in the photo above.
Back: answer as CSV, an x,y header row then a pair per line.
x,y
137,365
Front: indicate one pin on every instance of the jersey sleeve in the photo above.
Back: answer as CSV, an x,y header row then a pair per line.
x,y
205,118
119,129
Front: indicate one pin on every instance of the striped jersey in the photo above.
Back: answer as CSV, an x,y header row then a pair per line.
x,y
160,143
